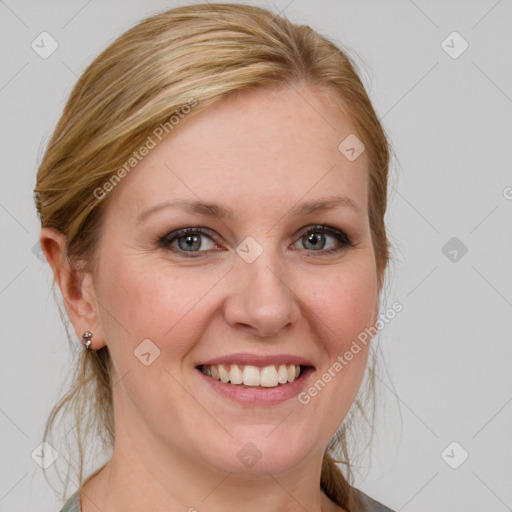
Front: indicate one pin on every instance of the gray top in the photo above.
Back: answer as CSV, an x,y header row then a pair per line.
x,y
73,504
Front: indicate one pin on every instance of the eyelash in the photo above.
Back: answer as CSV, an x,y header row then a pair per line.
x,y
165,241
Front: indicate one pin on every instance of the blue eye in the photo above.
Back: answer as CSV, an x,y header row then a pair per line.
x,y
189,242
316,236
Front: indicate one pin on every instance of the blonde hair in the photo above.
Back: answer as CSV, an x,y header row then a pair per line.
x,y
202,53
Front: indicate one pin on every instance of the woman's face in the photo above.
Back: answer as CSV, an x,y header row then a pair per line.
x,y
252,287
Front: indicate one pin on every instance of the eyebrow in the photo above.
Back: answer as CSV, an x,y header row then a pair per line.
x,y
209,209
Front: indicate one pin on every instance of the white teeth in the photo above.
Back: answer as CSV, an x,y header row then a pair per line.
x,y
214,370
282,374
268,377
251,376
235,374
223,374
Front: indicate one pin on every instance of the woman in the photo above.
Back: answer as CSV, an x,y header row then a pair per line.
x,y
212,205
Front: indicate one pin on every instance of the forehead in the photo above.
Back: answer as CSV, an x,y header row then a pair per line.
x,y
251,149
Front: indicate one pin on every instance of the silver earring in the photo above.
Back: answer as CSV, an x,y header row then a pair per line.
x,y
87,339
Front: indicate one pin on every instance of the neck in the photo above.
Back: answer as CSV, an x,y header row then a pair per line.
x,y
142,476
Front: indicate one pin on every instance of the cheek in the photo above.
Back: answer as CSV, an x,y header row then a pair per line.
x,y
152,300
344,302
342,310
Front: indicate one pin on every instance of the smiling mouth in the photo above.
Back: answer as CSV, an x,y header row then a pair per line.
x,y
249,376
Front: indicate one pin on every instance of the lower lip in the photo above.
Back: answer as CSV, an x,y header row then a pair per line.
x,y
259,395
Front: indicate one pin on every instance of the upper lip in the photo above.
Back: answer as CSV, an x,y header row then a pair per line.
x,y
257,360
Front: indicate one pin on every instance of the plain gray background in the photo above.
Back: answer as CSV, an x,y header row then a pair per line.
x,y
448,353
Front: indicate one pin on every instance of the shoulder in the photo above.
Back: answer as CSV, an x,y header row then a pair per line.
x,y
371,505
73,503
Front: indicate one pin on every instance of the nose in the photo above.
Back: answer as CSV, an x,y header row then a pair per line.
x,y
262,301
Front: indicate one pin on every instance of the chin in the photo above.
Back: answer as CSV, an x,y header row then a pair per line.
x,y
260,454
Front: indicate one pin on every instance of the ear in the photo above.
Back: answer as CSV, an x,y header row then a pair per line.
x,y
76,287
